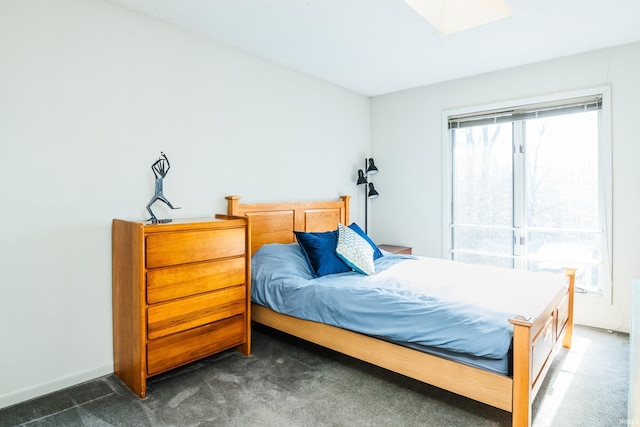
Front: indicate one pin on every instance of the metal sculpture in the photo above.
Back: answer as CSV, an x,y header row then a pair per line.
x,y
160,169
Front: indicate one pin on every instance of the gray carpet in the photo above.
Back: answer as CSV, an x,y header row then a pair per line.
x,y
287,382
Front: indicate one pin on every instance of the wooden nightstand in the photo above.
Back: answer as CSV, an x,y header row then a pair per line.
x,y
396,249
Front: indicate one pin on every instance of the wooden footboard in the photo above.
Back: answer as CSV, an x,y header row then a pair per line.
x,y
535,342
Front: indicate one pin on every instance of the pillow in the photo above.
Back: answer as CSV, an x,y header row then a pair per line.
x,y
377,253
320,251
279,260
355,251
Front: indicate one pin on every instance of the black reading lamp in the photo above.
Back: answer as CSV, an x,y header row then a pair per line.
x,y
369,190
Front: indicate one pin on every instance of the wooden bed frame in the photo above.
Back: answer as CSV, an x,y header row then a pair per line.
x,y
535,340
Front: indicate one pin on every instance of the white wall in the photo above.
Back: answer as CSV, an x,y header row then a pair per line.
x,y
407,146
89,95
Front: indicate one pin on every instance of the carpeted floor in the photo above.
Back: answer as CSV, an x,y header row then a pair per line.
x,y
287,382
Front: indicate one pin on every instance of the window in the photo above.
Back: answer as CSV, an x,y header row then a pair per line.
x,y
529,187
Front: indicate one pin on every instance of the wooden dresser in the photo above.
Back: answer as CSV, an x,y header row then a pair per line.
x,y
181,292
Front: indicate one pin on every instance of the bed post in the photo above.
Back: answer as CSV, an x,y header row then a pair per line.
x,y
347,213
232,205
568,335
522,358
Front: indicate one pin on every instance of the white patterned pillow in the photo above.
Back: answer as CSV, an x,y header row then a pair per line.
x,y
356,252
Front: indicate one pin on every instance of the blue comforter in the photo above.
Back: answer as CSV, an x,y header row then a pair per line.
x,y
384,305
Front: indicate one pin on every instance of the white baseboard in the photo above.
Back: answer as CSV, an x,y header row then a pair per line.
x,y
38,390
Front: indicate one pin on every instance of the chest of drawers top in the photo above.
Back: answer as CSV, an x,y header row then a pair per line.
x,y
180,224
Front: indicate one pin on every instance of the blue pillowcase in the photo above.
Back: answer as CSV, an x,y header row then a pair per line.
x,y
355,251
377,253
320,250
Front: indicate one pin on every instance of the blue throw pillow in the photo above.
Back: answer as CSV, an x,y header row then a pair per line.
x,y
320,250
377,253
355,251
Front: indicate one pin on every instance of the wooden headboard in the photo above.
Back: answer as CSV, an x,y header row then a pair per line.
x,y
275,222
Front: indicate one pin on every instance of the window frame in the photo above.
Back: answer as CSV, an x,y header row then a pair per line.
x,y
605,173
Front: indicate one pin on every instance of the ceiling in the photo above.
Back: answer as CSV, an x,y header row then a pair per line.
x,y
374,47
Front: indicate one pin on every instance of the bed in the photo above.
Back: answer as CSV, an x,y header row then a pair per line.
x,y
535,338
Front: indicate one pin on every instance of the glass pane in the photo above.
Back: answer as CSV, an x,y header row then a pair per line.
x,y
482,175
587,275
562,193
551,252
562,171
487,240
567,247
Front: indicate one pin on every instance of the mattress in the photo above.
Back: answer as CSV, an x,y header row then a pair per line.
x,y
459,311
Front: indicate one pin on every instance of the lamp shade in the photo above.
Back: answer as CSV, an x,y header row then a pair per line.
x,y
371,169
361,178
373,194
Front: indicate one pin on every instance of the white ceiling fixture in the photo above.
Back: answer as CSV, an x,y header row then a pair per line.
x,y
454,16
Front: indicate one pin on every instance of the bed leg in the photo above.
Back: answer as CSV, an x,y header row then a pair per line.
x,y
521,408
568,336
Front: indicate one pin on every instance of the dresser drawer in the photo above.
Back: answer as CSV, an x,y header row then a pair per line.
x,y
182,247
167,353
169,283
187,313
